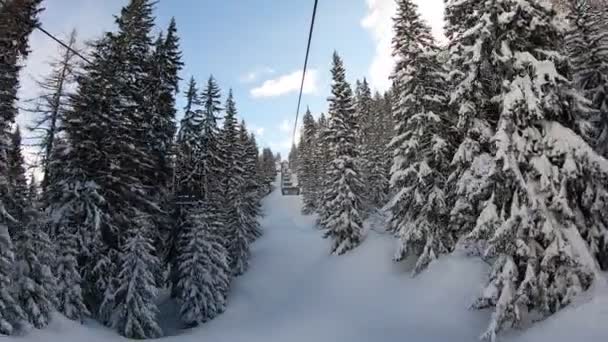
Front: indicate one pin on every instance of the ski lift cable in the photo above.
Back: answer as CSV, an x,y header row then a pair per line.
x,y
47,33
120,83
312,25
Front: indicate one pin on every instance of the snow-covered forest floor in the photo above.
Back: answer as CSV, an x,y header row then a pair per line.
x,y
295,292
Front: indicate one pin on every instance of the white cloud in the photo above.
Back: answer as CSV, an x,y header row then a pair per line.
x,y
286,84
285,126
379,22
253,75
258,131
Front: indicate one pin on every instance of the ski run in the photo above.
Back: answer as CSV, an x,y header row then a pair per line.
x,y
295,292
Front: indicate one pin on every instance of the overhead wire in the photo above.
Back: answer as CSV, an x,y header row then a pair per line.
x,y
312,25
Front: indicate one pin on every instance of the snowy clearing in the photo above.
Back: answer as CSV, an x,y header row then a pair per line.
x,y
295,292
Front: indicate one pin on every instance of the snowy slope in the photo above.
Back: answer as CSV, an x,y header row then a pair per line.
x,y
296,292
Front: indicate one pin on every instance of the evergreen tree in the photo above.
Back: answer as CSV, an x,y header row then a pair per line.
x,y
187,182
70,299
322,158
211,159
341,205
17,20
35,281
587,46
33,193
203,268
235,217
306,174
199,172
17,182
134,314
250,187
373,145
525,184
109,160
165,66
293,157
75,210
421,150
268,169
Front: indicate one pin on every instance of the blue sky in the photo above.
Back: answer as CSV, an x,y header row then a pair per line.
x,y
254,47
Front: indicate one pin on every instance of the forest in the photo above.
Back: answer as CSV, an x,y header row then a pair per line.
x,y
494,143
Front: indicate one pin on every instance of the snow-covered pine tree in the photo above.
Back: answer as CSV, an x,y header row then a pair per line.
x,y
306,167
17,20
108,153
187,181
234,216
536,165
203,269
33,191
36,283
52,103
267,169
87,183
292,158
70,299
164,79
373,145
74,215
166,65
341,207
587,46
211,159
17,182
250,193
322,158
11,314
419,211
199,169
473,84
135,310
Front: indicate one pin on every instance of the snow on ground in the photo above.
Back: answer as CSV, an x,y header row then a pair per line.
x,y
294,291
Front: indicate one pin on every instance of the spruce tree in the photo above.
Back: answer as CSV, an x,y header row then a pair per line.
x,y
163,81
166,65
109,157
36,282
421,150
203,268
17,182
250,187
17,20
211,158
322,158
135,310
587,47
306,174
187,182
70,299
525,178
341,207
199,174
74,212
268,169
234,217
373,145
